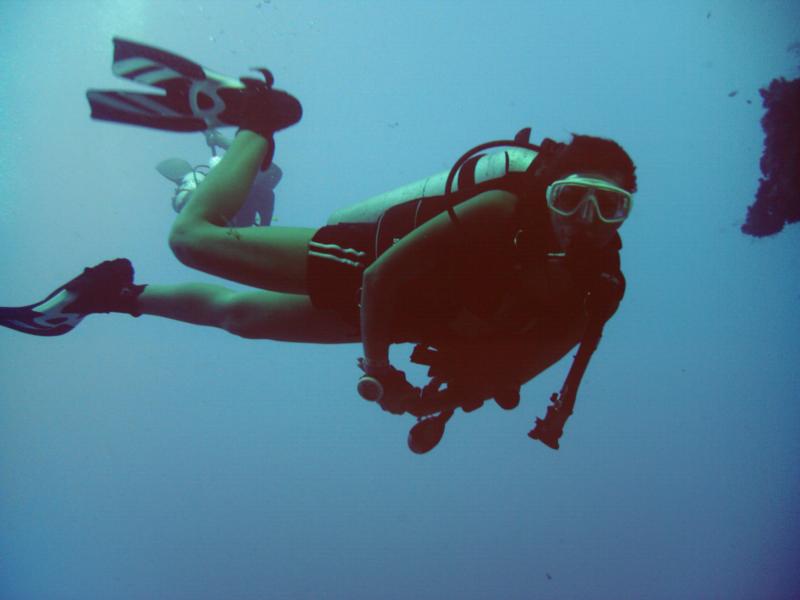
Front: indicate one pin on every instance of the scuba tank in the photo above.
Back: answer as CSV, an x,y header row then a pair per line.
x,y
259,205
399,211
486,169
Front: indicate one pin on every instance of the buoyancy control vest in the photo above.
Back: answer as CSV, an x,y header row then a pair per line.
x,y
514,166
515,169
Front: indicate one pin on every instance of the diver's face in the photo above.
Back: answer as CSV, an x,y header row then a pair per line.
x,y
584,229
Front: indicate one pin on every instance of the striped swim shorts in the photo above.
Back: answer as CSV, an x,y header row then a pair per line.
x,y
337,258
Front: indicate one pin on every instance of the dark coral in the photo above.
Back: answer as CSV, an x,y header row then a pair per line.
x,y
778,197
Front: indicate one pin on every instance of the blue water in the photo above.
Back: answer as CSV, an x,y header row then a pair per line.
x,y
141,458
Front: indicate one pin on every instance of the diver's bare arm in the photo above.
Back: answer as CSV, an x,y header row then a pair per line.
x,y
481,219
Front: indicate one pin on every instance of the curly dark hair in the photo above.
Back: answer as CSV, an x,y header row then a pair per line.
x,y
589,153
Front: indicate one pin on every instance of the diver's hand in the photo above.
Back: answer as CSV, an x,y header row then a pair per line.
x,y
550,429
387,386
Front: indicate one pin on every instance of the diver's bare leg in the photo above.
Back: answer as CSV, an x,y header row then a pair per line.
x,y
270,258
250,314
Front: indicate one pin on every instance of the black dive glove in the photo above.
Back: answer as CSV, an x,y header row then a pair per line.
x,y
387,386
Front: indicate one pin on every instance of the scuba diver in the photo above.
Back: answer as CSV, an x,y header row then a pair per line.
x,y
495,270
259,205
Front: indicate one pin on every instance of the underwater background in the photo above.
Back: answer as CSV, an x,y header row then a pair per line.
x,y
143,458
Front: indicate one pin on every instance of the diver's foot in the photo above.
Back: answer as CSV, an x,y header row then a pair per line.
x,y
260,108
107,287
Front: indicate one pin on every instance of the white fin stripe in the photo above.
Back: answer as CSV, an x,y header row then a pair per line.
x,y
70,319
59,299
145,105
130,65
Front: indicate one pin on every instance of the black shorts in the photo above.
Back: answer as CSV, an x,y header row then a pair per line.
x,y
337,258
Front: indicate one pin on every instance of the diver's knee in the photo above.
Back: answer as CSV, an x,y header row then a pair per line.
x,y
185,243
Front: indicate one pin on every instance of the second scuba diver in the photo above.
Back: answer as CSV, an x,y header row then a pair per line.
x,y
495,276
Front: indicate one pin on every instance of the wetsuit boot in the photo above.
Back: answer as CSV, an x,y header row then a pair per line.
x,y
259,107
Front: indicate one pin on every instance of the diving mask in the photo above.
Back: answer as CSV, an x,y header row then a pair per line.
x,y
566,196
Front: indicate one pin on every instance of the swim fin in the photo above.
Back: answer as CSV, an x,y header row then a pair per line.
x,y
174,169
39,318
195,99
107,287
